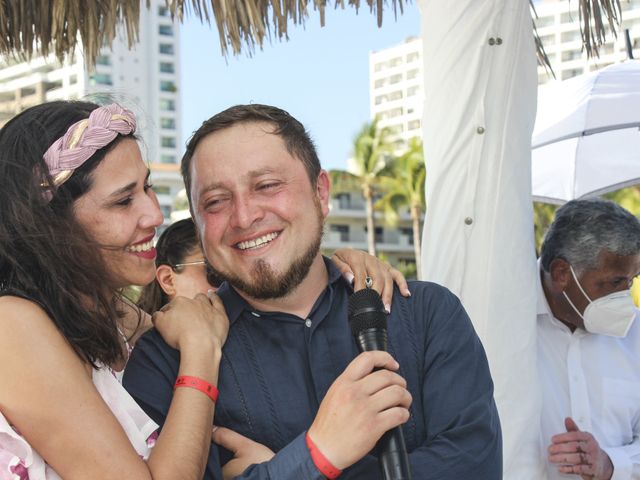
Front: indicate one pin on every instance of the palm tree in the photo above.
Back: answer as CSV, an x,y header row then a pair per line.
x,y
371,155
403,186
56,25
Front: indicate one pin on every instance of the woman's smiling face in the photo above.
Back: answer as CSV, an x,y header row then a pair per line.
x,y
120,213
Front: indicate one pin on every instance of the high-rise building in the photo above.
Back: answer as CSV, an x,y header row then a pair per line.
x,y
558,25
396,87
144,79
396,83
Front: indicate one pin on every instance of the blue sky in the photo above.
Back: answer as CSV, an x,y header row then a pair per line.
x,y
321,75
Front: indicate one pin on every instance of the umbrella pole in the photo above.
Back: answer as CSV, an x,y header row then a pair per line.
x,y
628,43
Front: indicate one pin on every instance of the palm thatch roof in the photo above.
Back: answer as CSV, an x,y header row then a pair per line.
x,y
44,26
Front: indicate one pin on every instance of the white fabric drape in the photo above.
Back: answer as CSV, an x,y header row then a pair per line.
x,y
480,101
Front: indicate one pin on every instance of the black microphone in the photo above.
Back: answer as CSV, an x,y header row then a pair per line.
x,y
368,321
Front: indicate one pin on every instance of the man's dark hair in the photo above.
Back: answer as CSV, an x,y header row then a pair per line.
x,y
295,137
583,228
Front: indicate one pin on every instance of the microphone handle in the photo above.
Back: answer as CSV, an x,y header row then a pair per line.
x,y
392,455
391,449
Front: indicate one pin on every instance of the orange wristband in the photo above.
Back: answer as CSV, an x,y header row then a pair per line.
x,y
199,384
321,461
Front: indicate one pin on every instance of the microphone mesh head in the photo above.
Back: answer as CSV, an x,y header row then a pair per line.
x,y
366,311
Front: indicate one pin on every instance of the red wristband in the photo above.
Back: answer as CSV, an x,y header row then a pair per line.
x,y
199,384
321,461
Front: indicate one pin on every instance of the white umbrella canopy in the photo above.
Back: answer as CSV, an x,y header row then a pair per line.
x,y
586,140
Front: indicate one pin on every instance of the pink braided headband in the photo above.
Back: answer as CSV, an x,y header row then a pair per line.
x,y
84,138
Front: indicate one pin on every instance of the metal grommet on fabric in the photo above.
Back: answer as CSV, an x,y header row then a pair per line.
x,y
480,130
492,41
368,282
468,221
498,41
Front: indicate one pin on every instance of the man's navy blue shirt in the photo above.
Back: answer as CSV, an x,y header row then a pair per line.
x,y
276,368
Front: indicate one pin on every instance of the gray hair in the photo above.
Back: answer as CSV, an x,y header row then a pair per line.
x,y
583,228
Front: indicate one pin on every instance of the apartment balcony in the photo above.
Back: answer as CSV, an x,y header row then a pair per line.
x,y
392,241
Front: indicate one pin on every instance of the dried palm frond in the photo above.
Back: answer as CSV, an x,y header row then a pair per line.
x,y
44,26
28,26
592,16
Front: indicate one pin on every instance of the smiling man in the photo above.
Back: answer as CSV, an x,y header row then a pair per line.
x,y
296,400
589,342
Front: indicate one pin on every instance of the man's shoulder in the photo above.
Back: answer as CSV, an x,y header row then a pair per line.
x,y
432,295
430,304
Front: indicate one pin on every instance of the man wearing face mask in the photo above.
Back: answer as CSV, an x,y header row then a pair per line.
x,y
589,343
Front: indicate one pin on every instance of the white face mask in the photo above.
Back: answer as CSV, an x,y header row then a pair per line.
x,y
610,315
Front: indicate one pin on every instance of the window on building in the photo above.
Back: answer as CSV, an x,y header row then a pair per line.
x,y
394,62
407,232
166,30
103,60
411,74
166,48
163,11
574,72
570,36
397,95
378,67
567,17
378,235
412,57
542,22
100,79
167,67
167,105
166,210
380,99
570,55
73,79
167,159
344,201
162,189
168,123
413,125
168,142
343,230
394,129
395,78
395,112
411,91
381,82
168,86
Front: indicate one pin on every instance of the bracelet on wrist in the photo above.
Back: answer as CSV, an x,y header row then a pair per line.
x,y
194,382
321,462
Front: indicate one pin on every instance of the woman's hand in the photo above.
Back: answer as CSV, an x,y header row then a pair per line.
x,y
187,321
356,266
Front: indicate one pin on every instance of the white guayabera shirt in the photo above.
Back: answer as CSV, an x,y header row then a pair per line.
x,y
595,379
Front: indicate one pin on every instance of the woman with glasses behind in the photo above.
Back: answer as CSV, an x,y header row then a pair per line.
x,y
180,268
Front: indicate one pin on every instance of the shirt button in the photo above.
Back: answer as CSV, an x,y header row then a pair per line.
x,y
480,130
468,221
307,323
492,41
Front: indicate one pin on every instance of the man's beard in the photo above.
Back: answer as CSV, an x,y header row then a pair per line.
x,y
265,283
